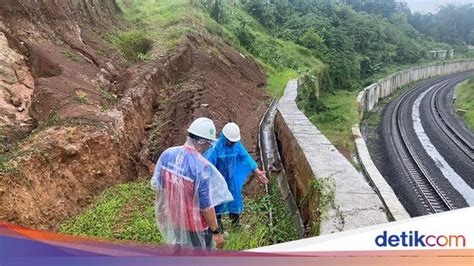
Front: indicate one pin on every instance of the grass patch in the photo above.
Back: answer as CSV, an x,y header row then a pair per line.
x,y
123,212
337,117
465,102
6,156
71,55
335,114
283,229
276,82
133,45
164,22
322,191
109,97
81,96
6,165
126,212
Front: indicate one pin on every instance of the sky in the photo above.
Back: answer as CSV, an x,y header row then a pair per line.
x,y
425,6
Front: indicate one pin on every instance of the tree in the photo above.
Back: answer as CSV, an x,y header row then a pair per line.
x,y
452,24
263,10
311,39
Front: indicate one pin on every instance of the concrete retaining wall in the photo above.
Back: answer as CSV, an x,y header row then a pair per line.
x,y
394,207
308,154
369,97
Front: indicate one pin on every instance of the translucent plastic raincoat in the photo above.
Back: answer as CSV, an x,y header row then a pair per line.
x,y
235,164
186,184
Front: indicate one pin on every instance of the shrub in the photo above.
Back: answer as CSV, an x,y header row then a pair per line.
x,y
133,45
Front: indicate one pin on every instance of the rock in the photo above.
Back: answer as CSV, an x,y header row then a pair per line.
x,y
20,109
7,75
101,79
110,67
148,127
71,150
15,101
204,104
99,173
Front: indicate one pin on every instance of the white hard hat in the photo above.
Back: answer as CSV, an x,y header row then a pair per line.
x,y
203,127
232,132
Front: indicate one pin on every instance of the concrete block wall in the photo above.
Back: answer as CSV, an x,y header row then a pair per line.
x,y
369,97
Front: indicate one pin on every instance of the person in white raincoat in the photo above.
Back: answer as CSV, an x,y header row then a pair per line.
x,y
188,188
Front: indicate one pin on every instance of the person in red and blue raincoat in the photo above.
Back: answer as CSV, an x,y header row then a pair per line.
x,y
188,187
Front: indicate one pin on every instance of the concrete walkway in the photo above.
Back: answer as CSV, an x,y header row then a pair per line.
x,y
356,203
393,206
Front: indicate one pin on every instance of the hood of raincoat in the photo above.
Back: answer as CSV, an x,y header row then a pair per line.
x,y
235,164
186,184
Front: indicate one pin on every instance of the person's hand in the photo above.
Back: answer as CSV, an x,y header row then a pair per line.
x,y
261,176
219,240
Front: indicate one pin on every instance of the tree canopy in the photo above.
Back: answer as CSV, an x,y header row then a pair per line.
x,y
452,24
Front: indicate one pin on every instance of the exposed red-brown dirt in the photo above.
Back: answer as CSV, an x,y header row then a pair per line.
x,y
69,142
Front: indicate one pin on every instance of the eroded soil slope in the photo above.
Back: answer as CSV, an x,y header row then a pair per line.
x,y
75,118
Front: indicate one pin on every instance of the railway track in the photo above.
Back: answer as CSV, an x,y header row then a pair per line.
x,y
434,200
440,114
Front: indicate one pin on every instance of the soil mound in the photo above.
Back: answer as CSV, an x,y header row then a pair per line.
x,y
75,120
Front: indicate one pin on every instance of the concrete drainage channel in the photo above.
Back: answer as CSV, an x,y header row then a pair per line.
x,y
271,162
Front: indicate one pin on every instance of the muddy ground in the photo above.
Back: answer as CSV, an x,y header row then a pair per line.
x,y
76,118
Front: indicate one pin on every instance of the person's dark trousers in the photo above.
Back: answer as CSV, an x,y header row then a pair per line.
x,y
197,237
220,226
234,219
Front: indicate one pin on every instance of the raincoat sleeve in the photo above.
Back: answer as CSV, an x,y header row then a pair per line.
x,y
218,191
156,181
203,190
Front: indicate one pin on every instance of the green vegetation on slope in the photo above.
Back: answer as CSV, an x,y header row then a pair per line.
x,y
133,45
281,59
354,45
158,26
162,21
357,44
126,212
165,22
465,102
451,24
123,212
